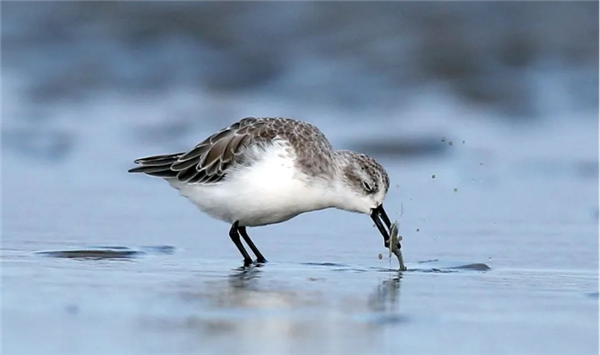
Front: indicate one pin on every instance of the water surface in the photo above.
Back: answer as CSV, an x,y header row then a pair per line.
x,y
107,262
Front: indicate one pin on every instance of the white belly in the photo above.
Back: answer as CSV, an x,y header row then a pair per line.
x,y
272,190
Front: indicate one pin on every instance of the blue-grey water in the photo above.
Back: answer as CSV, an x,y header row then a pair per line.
x,y
178,289
498,207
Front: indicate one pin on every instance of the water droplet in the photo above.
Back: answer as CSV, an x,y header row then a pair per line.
x,y
481,164
463,142
450,143
418,230
380,256
443,139
455,189
433,176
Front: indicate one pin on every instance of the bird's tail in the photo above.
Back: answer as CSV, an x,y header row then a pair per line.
x,y
158,165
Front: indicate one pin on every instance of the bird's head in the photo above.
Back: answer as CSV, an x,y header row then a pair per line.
x,y
364,184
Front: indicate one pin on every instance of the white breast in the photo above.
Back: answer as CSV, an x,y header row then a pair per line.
x,y
271,190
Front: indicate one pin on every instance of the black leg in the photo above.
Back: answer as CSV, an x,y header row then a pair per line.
x,y
235,237
259,257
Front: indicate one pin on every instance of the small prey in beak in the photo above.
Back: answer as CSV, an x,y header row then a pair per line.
x,y
391,240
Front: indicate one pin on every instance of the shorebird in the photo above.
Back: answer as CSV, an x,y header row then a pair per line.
x,y
261,171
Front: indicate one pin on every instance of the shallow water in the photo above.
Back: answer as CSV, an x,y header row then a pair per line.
x,y
115,263
493,165
178,304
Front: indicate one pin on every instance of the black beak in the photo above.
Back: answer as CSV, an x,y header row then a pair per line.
x,y
378,215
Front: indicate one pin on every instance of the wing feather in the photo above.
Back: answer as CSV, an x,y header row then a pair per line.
x,y
198,151
210,161
184,165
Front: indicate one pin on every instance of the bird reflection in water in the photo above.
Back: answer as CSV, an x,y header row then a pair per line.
x,y
386,297
245,277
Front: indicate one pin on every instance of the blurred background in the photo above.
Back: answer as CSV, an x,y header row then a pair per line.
x,y
165,69
484,114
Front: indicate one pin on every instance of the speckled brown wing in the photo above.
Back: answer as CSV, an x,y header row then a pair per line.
x,y
210,161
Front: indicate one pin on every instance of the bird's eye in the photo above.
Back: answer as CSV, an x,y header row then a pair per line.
x,y
367,187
